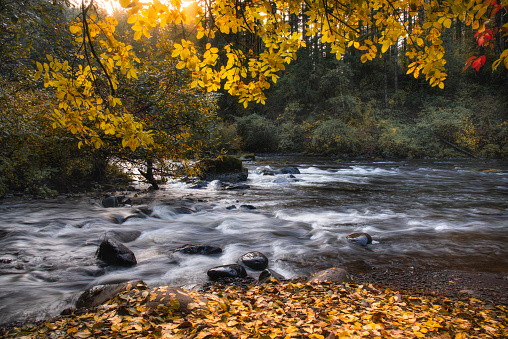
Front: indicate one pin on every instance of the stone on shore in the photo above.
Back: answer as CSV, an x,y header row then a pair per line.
x,y
269,274
227,271
98,295
334,274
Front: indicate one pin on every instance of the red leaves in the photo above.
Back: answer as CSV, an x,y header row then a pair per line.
x,y
483,36
475,62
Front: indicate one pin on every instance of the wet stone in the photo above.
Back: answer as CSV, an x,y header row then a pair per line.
x,y
199,249
227,271
254,260
361,239
268,274
115,253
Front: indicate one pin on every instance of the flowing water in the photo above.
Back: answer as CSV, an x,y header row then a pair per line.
x,y
423,214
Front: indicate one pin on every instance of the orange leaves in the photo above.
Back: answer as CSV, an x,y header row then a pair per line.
x,y
289,310
475,62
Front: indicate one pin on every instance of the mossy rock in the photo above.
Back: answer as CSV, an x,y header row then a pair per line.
x,y
225,164
225,168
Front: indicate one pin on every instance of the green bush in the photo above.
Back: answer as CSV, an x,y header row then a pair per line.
x,y
291,137
258,133
335,137
400,141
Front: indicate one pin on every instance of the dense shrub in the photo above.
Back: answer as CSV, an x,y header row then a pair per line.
x,y
258,133
335,137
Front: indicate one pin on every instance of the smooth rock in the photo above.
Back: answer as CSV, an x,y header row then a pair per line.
x,y
113,252
361,239
199,249
248,207
269,274
334,274
227,271
289,170
254,260
174,298
98,295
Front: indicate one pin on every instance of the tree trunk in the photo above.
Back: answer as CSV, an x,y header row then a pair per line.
x,y
395,67
148,175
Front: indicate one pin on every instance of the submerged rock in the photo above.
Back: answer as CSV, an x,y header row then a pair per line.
x,y
113,252
254,260
361,239
110,202
288,170
248,207
334,274
125,236
116,201
183,210
199,249
227,271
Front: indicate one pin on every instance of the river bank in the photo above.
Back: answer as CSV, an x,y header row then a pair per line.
x,y
274,309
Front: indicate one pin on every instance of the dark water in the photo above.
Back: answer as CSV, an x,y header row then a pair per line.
x,y
423,214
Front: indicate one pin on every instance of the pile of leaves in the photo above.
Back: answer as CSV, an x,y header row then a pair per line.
x,y
283,310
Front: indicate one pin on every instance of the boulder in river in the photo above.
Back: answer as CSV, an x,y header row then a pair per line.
x,y
288,170
225,169
199,249
269,274
254,260
113,252
227,271
116,201
361,239
334,274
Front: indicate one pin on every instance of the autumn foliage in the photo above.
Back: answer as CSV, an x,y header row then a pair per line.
x,y
282,310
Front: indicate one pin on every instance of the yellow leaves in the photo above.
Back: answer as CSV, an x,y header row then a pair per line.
x,y
75,29
125,3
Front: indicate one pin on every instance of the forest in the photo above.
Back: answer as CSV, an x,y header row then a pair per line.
x,y
84,89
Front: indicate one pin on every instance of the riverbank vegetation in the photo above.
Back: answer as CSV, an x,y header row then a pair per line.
x,y
282,310
148,86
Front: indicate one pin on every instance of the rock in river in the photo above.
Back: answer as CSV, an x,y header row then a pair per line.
x,y
255,260
113,252
227,271
361,239
199,249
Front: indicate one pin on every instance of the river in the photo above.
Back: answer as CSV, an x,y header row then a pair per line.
x,y
421,214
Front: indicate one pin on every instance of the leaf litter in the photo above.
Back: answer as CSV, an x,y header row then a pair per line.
x,y
281,310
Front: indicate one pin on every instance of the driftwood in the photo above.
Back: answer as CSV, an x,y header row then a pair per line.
x,y
449,143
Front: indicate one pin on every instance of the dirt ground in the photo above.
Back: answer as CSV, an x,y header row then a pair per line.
x,y
489,287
